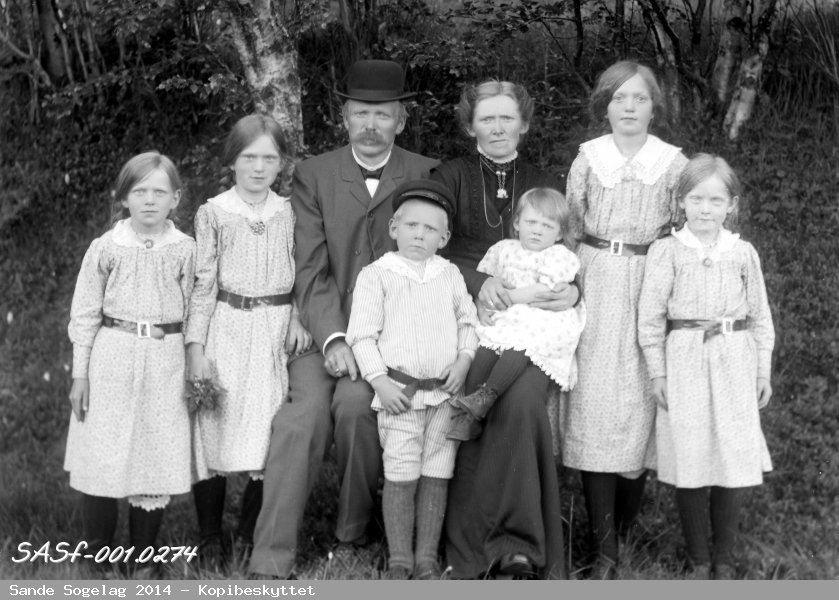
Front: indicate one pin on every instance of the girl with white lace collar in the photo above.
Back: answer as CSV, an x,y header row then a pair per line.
x,y
243,327
706,330
621,184
129,433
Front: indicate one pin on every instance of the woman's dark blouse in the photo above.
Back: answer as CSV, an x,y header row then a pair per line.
x,y
477,208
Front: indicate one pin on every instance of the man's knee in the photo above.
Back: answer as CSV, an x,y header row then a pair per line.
x,y
351,403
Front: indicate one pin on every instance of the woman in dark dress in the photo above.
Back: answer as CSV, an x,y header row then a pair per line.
x,y
503,515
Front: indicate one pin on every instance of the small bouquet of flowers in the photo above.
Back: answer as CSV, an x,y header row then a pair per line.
x,y
204,394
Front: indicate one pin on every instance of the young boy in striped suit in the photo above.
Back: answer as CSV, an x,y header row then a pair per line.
x,y
412,332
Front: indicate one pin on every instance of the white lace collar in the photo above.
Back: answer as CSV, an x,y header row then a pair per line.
x,y
123,235
395,263
231,202
725,242
610,166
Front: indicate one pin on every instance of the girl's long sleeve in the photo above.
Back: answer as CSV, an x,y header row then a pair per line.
x,y
86,310
659,277
202,302
760,315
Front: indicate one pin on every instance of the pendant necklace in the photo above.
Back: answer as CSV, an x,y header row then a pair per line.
x,y
707,262
257,227
148,242
502,191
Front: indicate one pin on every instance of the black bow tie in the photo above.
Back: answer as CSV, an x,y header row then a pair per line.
x,y
368,174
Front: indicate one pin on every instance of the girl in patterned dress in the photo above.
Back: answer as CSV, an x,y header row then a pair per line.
x,y
129,433
622,186
242,326
710,373
521,335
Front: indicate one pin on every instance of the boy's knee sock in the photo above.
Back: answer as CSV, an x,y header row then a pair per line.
x,y
599,490
251,505
143,527
209,505
629,493
692,504
725,520
431,508
398,506
507,369
99,521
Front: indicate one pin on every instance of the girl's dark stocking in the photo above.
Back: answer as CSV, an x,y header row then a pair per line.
x,y
99,521
208,496
480,369
693,513
251,505
143,527
599,490
725,520
629,494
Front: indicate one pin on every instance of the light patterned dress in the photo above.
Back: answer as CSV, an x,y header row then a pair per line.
x,y
607,419
134,439
548,338
710,433
247,347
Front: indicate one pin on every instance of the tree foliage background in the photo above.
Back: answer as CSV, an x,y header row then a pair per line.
x,y
86,84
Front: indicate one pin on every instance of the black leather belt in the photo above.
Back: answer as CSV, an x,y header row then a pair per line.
x,y
712,327
249,302
412,384
143,329
616,247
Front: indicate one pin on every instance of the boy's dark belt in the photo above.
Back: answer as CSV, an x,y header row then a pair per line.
x,y
412,384
143,329
712,327
249,303
616,247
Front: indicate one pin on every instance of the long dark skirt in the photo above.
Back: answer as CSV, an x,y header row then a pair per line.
x,y
504,497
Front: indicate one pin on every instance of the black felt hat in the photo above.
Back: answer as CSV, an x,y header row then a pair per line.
x,y
426,190
375,81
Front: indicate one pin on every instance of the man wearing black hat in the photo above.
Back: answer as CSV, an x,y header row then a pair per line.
x,y
342,203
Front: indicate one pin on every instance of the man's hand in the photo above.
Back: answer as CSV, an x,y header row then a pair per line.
x,y
391,397
563,297
659,391
455,374
80,397
340,360
764,392
298,340
494,295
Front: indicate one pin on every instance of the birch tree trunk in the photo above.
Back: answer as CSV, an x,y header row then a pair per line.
x,y
745,94
268,52
730,48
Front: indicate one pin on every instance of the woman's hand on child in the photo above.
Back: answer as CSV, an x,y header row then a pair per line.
x,y
391,397
563,297
80,397
340,360
494,295
455,374
298,340
659,391
764,392
197,365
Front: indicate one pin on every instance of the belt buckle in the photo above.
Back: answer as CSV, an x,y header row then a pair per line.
x,y
727,326
246,304
143,329
616,247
